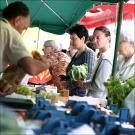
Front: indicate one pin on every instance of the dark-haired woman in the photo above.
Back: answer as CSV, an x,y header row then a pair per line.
x,y
78,39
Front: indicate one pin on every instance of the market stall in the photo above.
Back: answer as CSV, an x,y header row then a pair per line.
x,y
58,113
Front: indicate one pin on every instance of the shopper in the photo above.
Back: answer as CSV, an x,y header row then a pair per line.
x,y
58,68
78,38
103,69
126,65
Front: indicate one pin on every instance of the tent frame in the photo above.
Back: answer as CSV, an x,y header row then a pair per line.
x,y
117,40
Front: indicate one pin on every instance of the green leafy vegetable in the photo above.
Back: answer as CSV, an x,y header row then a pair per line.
x,y
118,90
78,72
24,90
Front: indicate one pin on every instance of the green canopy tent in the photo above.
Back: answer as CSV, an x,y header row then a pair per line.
x,y
56,16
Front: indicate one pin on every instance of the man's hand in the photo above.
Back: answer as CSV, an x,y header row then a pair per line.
x,y
52,60
36,55
6,88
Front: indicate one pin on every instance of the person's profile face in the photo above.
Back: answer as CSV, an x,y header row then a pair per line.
x,y
99,39
75,41
124,46
48,51
21,23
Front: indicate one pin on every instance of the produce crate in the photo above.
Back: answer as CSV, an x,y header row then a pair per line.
x,y
16,104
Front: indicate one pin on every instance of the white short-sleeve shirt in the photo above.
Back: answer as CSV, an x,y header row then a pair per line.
x,y
12,47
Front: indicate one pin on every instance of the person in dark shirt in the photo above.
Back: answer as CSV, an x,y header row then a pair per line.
x,y
78,38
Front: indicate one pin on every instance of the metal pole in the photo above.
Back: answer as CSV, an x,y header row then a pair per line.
x,y
38,35
119,21
60,17
7,2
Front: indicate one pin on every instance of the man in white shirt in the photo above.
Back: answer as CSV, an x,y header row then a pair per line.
x,y
12,50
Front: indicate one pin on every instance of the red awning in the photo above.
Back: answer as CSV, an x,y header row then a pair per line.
x,y
106,14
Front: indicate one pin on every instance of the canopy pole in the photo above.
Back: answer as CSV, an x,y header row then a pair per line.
x,y
55,13
7,2
119,21
38,36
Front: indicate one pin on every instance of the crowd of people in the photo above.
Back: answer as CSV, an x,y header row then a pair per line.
x,y
57,63
16,18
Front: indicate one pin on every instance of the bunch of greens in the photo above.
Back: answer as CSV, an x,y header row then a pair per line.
x,y
24,90
78,72
118,91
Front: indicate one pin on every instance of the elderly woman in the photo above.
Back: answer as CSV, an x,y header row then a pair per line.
x,y
126,65
51,49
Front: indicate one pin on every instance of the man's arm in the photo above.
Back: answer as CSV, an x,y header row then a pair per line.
x,y
33,66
